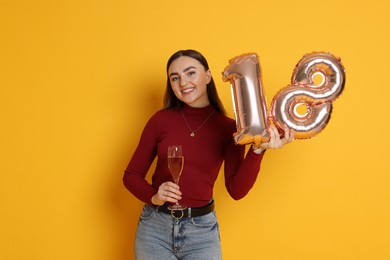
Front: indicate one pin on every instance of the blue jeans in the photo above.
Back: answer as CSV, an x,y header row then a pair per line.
x,y
159,236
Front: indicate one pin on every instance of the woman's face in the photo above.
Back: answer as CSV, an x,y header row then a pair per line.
x,y
188,80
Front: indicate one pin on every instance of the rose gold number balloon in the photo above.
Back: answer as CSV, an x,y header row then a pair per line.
x,y
317,80
250,106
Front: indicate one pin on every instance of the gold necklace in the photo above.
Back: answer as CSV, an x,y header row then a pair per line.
x,y
192,134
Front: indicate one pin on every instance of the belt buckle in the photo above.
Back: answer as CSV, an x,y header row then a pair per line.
x,y
173,211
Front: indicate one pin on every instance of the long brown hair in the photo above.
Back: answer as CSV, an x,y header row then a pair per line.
x,y
170,99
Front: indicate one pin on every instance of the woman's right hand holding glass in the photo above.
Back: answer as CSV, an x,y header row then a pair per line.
x,y
167,192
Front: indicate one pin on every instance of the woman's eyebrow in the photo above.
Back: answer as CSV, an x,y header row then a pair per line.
x,y
186,69
190,67
173,74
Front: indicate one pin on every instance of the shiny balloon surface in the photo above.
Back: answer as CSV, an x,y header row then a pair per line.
x,y
250,106
318,79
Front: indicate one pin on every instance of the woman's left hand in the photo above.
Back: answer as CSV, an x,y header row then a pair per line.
x,y
275,141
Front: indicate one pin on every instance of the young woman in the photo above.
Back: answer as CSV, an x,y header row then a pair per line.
x,y
194,117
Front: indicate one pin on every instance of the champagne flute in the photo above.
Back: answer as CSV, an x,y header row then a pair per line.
x,y
175,165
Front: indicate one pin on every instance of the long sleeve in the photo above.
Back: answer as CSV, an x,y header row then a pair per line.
x,y
240,173
135,173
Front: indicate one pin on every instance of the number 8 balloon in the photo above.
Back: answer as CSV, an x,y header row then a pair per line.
x,y
306,90
250,106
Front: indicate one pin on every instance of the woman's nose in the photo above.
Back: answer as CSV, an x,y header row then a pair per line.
x,y
183,81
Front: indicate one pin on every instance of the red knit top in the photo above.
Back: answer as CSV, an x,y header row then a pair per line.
x,y
204,154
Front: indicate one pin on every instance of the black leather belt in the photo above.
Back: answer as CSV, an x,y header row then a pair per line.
x,y
188,212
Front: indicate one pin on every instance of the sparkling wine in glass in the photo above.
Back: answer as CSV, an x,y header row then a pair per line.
x,y
175,165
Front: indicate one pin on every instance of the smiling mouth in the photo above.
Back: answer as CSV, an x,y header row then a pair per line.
x,y
188,90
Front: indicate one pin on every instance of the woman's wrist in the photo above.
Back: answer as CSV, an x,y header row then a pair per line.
x,y
154,201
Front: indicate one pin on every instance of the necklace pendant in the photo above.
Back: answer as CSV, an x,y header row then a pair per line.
x,y
192,134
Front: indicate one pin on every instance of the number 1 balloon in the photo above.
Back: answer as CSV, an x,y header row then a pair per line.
x,y
250,107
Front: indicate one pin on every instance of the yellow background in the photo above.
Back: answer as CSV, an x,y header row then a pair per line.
x,y
79,79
